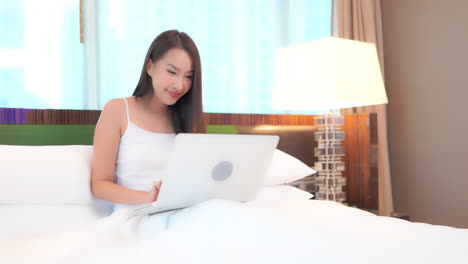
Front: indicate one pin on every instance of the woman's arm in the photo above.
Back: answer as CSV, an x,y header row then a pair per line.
x,y
106,146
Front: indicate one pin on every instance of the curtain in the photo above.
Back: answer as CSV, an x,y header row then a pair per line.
x,y
43,64
41,58
361,20
237,40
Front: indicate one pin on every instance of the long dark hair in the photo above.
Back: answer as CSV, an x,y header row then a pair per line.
x,y
187,112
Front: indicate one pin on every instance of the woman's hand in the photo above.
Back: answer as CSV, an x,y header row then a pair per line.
x,y
154,193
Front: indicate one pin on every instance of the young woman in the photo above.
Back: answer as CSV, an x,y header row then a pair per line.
x,y
134,135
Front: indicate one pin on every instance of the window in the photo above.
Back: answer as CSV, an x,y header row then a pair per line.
x,y
41,58
238,41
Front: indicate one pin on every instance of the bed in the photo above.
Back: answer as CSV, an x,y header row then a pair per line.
x,y
48,215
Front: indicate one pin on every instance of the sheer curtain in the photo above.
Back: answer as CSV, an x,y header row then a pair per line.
x,y
44,65
361,20
41,58
238,41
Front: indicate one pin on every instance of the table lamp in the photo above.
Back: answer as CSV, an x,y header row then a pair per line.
x,y
328,75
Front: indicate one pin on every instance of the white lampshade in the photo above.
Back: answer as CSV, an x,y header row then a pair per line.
x,y
326,74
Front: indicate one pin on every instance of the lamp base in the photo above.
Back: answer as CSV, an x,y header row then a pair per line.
x,y
330,153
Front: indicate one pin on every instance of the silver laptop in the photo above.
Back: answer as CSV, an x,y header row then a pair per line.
x,y
213,166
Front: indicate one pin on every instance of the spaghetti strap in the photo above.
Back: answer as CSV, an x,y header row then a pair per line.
x,y
128,112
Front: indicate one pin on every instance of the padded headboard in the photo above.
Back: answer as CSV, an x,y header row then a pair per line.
x,y
64,127
34,135
293,139
297,141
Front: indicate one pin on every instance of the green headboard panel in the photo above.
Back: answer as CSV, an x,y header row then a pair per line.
x,y
221,129
35,135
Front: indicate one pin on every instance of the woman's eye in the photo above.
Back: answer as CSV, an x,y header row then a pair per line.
x,y
171,72
190,77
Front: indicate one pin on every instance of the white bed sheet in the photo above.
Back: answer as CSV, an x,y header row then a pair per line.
x,y
294,231
37,219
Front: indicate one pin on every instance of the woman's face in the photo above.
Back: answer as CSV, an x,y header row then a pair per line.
x,y
171,75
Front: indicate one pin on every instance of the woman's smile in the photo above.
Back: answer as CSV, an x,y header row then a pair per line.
x,y
174,95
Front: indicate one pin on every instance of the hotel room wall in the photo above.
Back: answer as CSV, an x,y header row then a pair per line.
x,y
426,56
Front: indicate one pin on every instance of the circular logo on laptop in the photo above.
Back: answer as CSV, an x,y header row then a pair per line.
x,y
222,171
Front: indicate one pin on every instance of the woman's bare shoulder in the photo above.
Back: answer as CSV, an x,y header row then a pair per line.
x,y
114,105
113,112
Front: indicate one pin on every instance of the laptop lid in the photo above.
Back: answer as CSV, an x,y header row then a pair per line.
x,y
213,166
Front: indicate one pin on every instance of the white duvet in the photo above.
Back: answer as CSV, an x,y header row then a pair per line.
x,y
294,231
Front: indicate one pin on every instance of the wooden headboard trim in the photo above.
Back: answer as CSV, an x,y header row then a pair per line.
x,y
90,117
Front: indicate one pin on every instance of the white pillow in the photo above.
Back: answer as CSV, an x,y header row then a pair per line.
x,y
281,192
45,174
285,168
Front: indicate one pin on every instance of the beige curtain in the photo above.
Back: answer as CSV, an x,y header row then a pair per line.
x,y
361,20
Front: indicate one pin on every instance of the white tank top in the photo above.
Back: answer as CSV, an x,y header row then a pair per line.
x,y
142,157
